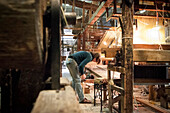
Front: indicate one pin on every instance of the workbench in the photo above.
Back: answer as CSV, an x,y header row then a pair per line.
x,y
100,72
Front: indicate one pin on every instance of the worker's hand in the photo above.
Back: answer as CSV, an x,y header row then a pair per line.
x,y
83,76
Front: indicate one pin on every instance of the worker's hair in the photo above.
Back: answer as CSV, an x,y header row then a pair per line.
x,y
97,56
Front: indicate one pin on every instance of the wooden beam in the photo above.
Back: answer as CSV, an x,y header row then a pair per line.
x,y
84,41
99,26
151,55
117,15
116,68
117,88
79,4
159,1
83,15
100,10
116,99
115,8
153,8
55,44
73,28
78,44
127,51
151,46
158,109
150,81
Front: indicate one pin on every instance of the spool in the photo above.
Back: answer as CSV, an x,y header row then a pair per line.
x,y
71,18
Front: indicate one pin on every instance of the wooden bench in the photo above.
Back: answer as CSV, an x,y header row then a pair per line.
x,y
51,101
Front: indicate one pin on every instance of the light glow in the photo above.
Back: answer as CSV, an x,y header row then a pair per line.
x,y
104,43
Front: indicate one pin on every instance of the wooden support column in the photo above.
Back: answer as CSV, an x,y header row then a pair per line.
x,y
127,47
90,12
84,40
115,8
109,91
55,44
83,17
79,43
73,6
151,95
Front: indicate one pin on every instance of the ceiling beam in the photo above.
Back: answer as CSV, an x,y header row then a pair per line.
x,y
100,10
117,15
157,1
79,4
152,8
73,28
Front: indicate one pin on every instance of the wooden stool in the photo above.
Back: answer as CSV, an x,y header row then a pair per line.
x,y
101,85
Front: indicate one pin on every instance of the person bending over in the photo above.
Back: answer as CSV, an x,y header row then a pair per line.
x,y
76,63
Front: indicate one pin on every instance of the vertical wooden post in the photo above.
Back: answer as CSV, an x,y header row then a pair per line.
x,y
115,8
122,95
55,44
78,43
151,95
83,17
73,6
84,40
90,12
127,47
109,91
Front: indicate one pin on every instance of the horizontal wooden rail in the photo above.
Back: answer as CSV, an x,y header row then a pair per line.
x,y
120,69
117,88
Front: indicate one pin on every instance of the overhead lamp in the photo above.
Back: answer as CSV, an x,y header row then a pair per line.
x,y
104,43
142,11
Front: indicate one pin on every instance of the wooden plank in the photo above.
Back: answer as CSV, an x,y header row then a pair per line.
x,y
50,101
144,55
158,109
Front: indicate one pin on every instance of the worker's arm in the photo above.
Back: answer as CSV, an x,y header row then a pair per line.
x,y
83,76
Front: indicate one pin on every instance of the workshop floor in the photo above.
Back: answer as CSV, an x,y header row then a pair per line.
x,y
90,108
